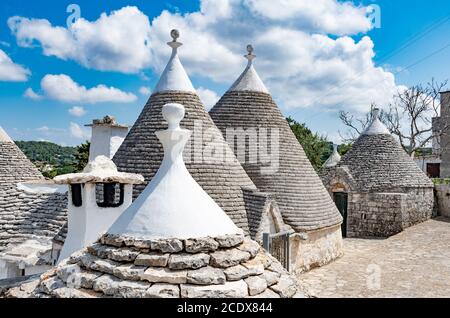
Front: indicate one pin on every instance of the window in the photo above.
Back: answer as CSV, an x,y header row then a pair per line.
x,y
77,200
109,195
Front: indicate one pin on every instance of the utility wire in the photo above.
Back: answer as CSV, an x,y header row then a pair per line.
x,y
408,43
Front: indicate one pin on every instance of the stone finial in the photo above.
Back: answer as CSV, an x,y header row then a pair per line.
x,y
174,77
250,56
249,80
175,34
376,113
173,205
173,113
376,127
334,159
174,44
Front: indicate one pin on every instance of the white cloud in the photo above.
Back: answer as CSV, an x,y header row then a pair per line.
x,y
145,91
114,42
208,97
304,64
10,71
327,16
305,53
77,111
78,132
65,89
29,93
43,129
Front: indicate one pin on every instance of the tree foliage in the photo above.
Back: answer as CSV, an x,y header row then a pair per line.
x,y
317,148
82,156
52,159
48,152
409,117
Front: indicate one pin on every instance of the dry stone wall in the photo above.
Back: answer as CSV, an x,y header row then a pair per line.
x,y
116,266
387,214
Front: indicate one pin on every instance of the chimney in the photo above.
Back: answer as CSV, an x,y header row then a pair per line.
x,y
97,197
107,136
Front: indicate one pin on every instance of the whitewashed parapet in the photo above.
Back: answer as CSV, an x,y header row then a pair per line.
x,y
101,170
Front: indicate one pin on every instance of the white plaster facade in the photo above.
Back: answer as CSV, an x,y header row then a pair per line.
x,y
106,138
28,258
88,220
173,204
316,248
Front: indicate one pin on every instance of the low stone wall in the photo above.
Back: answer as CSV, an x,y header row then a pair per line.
x,y
419,206
442,192
315,249
387,214
375,214
228,266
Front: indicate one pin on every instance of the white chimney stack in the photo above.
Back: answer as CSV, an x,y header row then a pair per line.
x,y
107,136
97,197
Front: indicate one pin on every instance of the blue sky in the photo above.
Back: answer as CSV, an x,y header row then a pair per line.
x,y
410,35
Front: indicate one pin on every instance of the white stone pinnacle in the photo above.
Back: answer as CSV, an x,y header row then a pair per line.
x,y
173,205
174,77
376,127
249,80
4,136
334,159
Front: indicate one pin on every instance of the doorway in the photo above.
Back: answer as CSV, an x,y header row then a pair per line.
x,y
341,201
434,170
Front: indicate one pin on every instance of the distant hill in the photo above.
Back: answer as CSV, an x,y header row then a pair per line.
x,y
50,158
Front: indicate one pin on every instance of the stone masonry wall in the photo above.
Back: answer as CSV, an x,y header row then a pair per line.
x,y
387,214
375,214
315,249
443,199
419,206
445,137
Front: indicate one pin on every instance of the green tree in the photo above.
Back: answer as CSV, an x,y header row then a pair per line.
x,y
344,148
82,156
317,148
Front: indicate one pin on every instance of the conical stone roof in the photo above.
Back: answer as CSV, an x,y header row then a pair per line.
x,y
224,180
154,249
14,165
303,200
377,161
24,214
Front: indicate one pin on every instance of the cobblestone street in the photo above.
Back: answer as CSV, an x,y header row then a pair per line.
x,y
415,263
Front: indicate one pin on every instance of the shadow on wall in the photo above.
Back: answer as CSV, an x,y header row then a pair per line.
x,y
442,196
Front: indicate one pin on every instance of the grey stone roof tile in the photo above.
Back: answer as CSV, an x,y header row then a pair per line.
x,y
142,153
378,162
25,215
302,199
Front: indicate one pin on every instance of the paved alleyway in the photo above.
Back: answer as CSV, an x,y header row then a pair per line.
x,y
415,263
